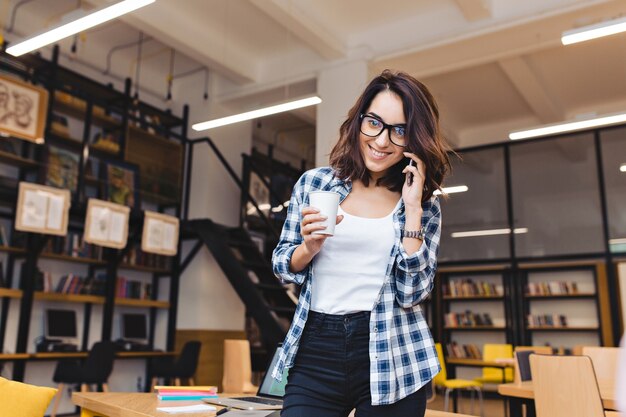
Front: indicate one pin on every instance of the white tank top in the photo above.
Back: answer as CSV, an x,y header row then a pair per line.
x,y
349,271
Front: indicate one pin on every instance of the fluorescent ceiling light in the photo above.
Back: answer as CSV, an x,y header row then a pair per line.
x,y
452,190
610,27
266,111
94,18
552,129
490,232
622,167
617,241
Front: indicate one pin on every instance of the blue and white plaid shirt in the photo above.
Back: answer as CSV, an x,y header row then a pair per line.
x,y
402,352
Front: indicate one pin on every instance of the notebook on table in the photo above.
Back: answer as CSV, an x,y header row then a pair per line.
x,y
269,395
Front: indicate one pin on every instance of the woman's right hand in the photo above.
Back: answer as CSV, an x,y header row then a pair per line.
x,y
311,222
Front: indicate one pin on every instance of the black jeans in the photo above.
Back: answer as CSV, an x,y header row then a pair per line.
x,y
331,374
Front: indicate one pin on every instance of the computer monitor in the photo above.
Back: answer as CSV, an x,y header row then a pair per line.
x,y
61,324
134,327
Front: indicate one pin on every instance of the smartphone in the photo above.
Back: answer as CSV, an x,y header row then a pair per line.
x,y
409,175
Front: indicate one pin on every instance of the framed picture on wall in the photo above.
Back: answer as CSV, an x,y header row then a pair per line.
x,y
61,168
23,108
42,209
106,224
121,183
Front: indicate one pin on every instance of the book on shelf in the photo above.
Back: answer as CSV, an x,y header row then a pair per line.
x,y
4,241
467,319
127,288
469,288
469,351
547,320
552,288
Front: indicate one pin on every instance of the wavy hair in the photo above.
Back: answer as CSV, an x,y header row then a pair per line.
x,y
422,130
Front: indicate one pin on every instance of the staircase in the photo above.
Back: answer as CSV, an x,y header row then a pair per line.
x,y
267,301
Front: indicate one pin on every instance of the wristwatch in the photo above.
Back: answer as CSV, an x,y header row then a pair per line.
x,y
414,234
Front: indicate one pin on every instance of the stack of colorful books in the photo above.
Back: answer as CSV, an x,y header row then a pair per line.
x,y
185,393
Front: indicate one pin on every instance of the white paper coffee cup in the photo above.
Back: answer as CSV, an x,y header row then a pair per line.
x,y
327,202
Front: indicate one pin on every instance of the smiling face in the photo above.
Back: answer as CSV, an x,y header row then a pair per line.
x,y
379,153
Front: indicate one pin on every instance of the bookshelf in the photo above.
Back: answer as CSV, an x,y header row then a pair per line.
x,y
93,122
561,304
473,309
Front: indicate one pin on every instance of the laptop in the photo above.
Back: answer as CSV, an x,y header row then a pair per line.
x,y
269,396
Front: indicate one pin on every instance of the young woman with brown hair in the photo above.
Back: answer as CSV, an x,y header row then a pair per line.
x,y
359,338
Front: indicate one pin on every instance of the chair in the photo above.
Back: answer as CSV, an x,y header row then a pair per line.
x,y
94,371
494,375
184,367
237,367
565,386
441,380
605,361
23,400
522,361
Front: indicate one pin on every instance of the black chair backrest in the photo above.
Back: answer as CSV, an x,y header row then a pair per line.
x,y
188,360
523,362
99,362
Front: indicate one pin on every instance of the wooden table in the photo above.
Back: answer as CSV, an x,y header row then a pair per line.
x,y
523,393
133,404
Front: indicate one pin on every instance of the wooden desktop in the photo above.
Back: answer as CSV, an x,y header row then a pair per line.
x,y
132,404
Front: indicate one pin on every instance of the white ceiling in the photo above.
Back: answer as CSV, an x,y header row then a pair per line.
x,y
493,65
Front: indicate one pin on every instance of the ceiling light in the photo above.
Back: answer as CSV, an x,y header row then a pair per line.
x,y
610,27
552,129
452,190
490,232
255,114
622,167
94,18
621,241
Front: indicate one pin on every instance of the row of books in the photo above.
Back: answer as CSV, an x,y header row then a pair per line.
x,y
4,238
467,318
547,320
469,288
73,245
552,287
75,284
127,288
470,350
185,393
136,256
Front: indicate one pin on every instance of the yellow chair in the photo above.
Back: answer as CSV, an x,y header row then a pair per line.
x,y
23,400
441,380
491,352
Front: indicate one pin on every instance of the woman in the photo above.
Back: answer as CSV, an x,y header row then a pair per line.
x,y
358,338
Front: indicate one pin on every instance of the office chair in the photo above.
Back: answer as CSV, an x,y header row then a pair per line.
x,y
94,370
183,367
237,375
565,386
441,380
492,352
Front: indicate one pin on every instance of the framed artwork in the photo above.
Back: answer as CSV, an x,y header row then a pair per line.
x,y
121,183
42,209
160,234
23,108
106,224
61,168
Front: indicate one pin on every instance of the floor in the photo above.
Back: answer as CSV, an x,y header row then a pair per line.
x,y
494,407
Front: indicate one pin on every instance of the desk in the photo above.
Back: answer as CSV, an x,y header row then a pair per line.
x,y
132,404
522,392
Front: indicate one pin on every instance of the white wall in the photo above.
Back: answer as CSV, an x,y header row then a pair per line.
x,y
205,293
621,278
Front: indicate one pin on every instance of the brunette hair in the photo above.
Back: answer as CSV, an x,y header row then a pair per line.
x,y
422,130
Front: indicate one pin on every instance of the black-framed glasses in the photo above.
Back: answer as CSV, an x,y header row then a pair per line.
x,y
372,126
